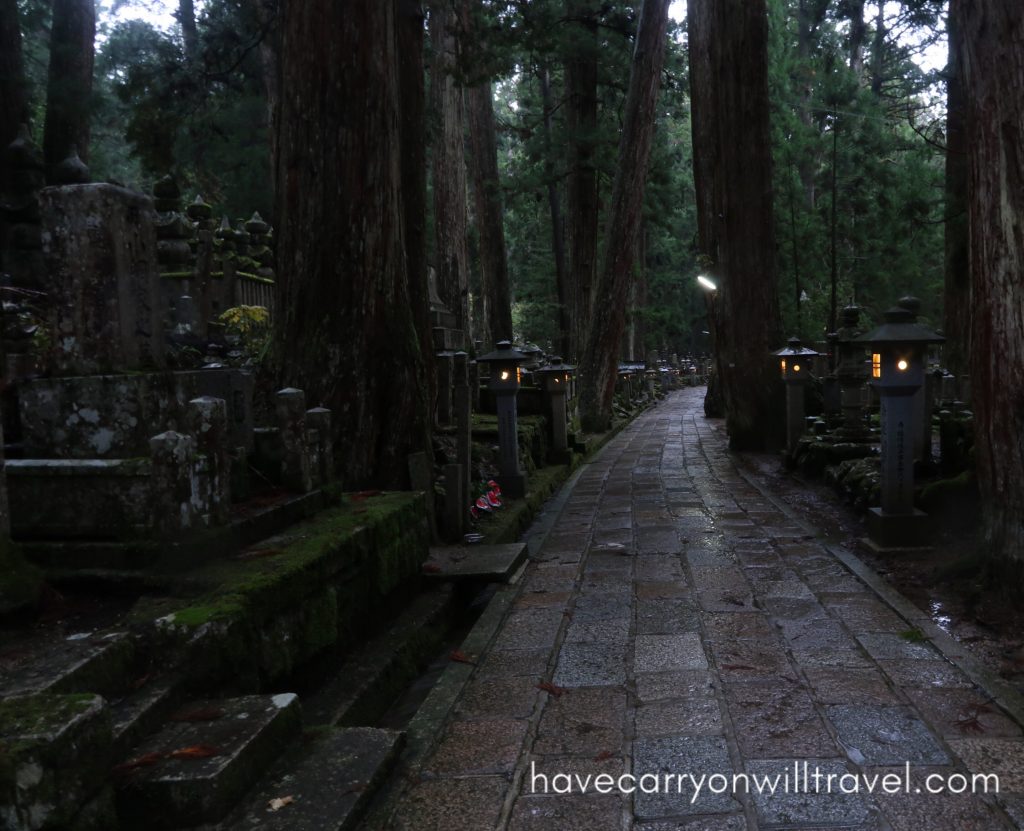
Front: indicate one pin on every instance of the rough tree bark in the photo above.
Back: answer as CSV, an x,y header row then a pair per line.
x,y
992,62
13,102
555,209
189,31
69,81
957,289
268,15
487,212
412,95
582,204
345,329
732,177
448,167
599,365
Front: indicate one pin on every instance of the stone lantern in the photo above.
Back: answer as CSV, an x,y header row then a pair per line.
x,y
795,368
897,371
506,374
850,371
555,379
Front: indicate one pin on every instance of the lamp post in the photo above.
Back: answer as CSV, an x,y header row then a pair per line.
x,y
506,373
555,379
795,368
897,372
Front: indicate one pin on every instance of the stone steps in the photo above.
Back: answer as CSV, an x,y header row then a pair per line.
x,y
93,662
204,760
325,785
481,563
142,711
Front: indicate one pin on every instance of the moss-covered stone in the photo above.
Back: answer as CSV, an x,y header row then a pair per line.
x,y
55,753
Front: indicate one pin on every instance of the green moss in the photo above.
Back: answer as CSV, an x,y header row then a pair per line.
x,y
31,715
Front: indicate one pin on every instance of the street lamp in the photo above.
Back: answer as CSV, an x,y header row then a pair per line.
x,y
897,372
795,369
506,374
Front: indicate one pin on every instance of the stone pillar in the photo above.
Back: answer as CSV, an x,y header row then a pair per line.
x,y
560,427
462,403
291,423
208,421
474,386
898,431
456,503
319,419
964,387
511,478
173,460
795,423
5,510
444,362
100,249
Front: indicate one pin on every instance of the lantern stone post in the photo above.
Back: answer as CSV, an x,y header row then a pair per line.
x,y
795,367
897,373
506,368
555,379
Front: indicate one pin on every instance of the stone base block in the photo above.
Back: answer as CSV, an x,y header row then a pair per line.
x,y
888,531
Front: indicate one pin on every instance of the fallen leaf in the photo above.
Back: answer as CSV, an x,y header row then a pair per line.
x,y
279,802
359,497
196,751
431,568
198,714
145,760
461,657
355,787
548,687
738,666
603,755
142,680
258,553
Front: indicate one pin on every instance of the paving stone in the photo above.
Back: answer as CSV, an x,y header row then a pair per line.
x,y
540,771
666,616
830,656
727,627
584,721
1003,757
793,804
697,716
656,686
529,629
919,810
680,756
730,823
890,647
658,653
749,660
726,601
614,629
512,663
569,812
959,713
452,805
479,747
591,664
925,674
603,606
776,719
885,735
650,589
793,608
506,698
864,614
659,567
849,685
540,598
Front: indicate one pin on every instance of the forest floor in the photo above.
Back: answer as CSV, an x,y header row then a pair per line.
x,y
941,580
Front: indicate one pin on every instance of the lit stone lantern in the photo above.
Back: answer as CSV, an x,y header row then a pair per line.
x,y
556,379
897,372
506,374
651,377
795,368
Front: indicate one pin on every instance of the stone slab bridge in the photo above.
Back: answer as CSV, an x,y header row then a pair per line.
x,y
677,620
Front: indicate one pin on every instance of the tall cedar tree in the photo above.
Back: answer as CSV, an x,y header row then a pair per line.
x,y
345,328
598,369
583,206
957,290
733,181
13,101
992,63
69,81
487,212
448,166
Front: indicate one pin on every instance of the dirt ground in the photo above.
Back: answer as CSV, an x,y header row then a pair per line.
x,y
943,580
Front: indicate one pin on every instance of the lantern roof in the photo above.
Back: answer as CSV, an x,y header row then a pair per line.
x,y
900,327
795,349
504,352
555,364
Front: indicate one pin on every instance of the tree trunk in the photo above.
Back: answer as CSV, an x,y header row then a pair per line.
x,y
189,33
858,35
957,291
992,62
69,82
598,368
13,102
412,91
583,206
732,178
555,208
268,14
346,332
448,168
488,212
878,52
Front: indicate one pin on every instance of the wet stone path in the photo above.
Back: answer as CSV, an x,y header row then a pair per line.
x,y
687,626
